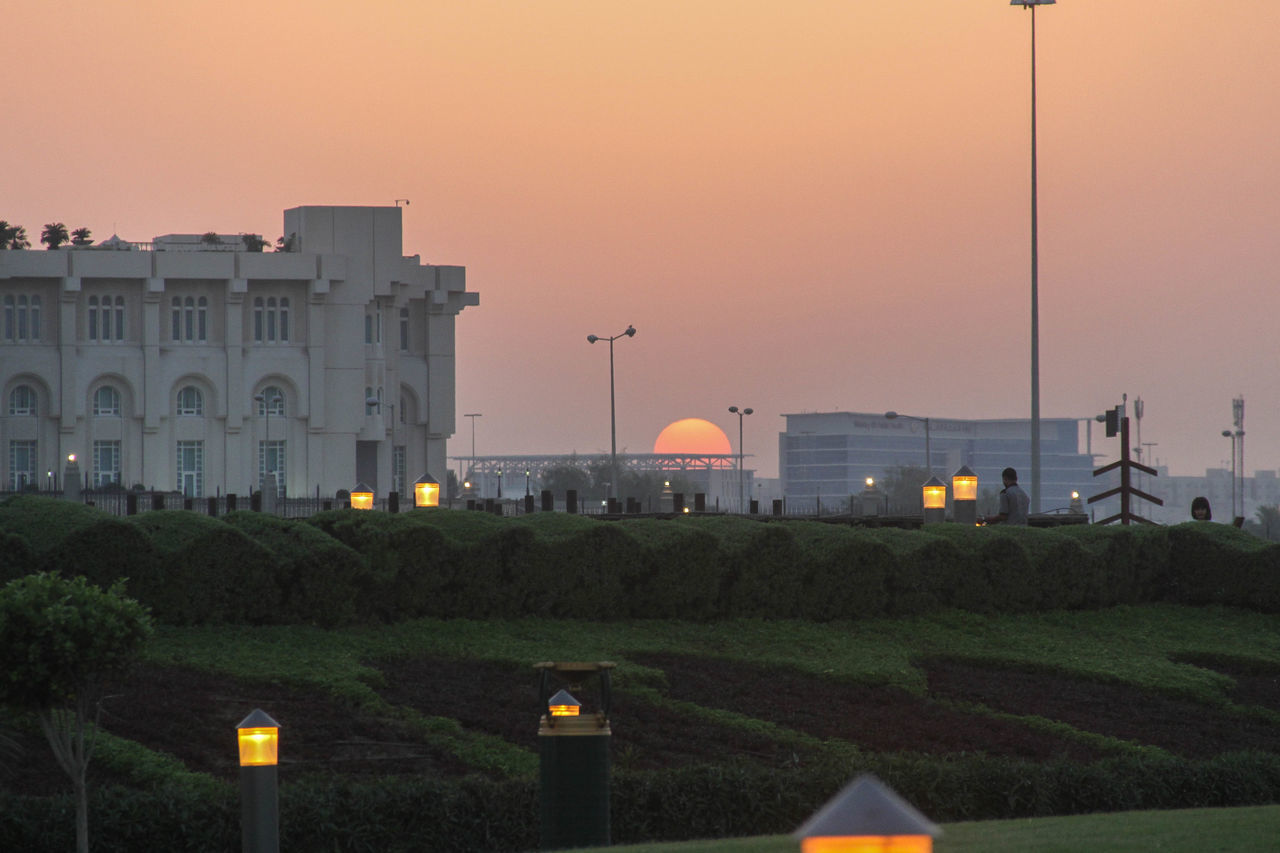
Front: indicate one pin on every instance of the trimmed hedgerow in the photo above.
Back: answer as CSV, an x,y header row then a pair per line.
x,y
210,572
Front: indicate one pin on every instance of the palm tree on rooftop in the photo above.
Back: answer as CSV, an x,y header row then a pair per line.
x,y
17,237
54,235
82,237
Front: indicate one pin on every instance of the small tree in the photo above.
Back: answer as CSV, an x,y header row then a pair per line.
x,y
64,642
82,237
18,238
253,242
287,244
54,235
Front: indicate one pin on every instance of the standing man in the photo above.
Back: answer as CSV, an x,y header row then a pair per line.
x,y
1014,502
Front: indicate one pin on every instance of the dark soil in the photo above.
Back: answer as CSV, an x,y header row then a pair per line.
x,y
1181,726
192,716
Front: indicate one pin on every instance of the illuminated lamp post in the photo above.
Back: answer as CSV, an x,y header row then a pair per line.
x,y
259,739
928,455
573,748
935,500
871,498
964,496
426,491
867,817
629,332
71,484
361,497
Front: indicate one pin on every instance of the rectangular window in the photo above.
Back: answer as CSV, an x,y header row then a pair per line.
x,y
119,318
404,329
271,458
106,463
93,322
368,328
176,332
22,464
397,469
35,318
190,468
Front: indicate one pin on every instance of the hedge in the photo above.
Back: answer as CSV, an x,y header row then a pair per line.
x,y
350,566
399,814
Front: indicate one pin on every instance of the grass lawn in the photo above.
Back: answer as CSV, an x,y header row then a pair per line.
x,y
1188,831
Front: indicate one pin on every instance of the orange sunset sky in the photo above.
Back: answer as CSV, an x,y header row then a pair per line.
x,y
801,206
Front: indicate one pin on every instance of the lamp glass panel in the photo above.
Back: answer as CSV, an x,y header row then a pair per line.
x,y
565,710
426,494
868,844
362,500
935,497
258,746
965,488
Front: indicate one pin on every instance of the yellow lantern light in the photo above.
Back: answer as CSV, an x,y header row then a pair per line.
x,y
361,497
867,817
935,494
259,738
964,484
426,491
871,482
562,704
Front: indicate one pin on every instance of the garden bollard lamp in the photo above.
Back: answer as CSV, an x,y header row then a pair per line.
x,y
361,497
935,500
259,739
867,817
573,749
426,491
964,496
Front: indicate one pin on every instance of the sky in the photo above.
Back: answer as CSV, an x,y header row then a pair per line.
x,y
800,206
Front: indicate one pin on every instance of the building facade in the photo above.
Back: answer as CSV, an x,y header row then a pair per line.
x,y
827,456
189,364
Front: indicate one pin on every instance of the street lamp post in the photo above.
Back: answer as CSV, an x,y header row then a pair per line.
x,y
630,332
742,507
1228,433
473,416
1035,270
928,451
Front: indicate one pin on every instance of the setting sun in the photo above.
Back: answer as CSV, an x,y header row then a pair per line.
x,y
692,435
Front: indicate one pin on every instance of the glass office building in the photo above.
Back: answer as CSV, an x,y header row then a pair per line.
x,y
830,455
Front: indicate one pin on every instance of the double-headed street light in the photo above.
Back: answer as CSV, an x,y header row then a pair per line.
x,y
1035,270
630,332
742,506
928,454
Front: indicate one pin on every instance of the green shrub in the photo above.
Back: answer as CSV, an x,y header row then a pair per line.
x,y
210,571
762,572
105,551
681,570
16,558
320,578
844,572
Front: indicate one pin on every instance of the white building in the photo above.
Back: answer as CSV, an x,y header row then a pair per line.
x,y
188,366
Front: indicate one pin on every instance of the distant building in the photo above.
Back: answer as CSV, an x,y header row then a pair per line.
x,y
194,365
828,456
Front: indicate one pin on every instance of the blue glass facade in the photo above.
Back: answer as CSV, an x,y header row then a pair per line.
x,y
831,454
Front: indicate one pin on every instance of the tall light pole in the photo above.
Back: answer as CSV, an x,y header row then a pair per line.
x,y
1035,270
630,332
742,506
928,454
473,416
1226,433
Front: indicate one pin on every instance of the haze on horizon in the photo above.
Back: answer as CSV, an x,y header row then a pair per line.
x,y
801,207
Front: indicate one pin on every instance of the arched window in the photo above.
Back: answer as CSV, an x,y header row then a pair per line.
x,y
23,400
190,401
272,400
106,402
